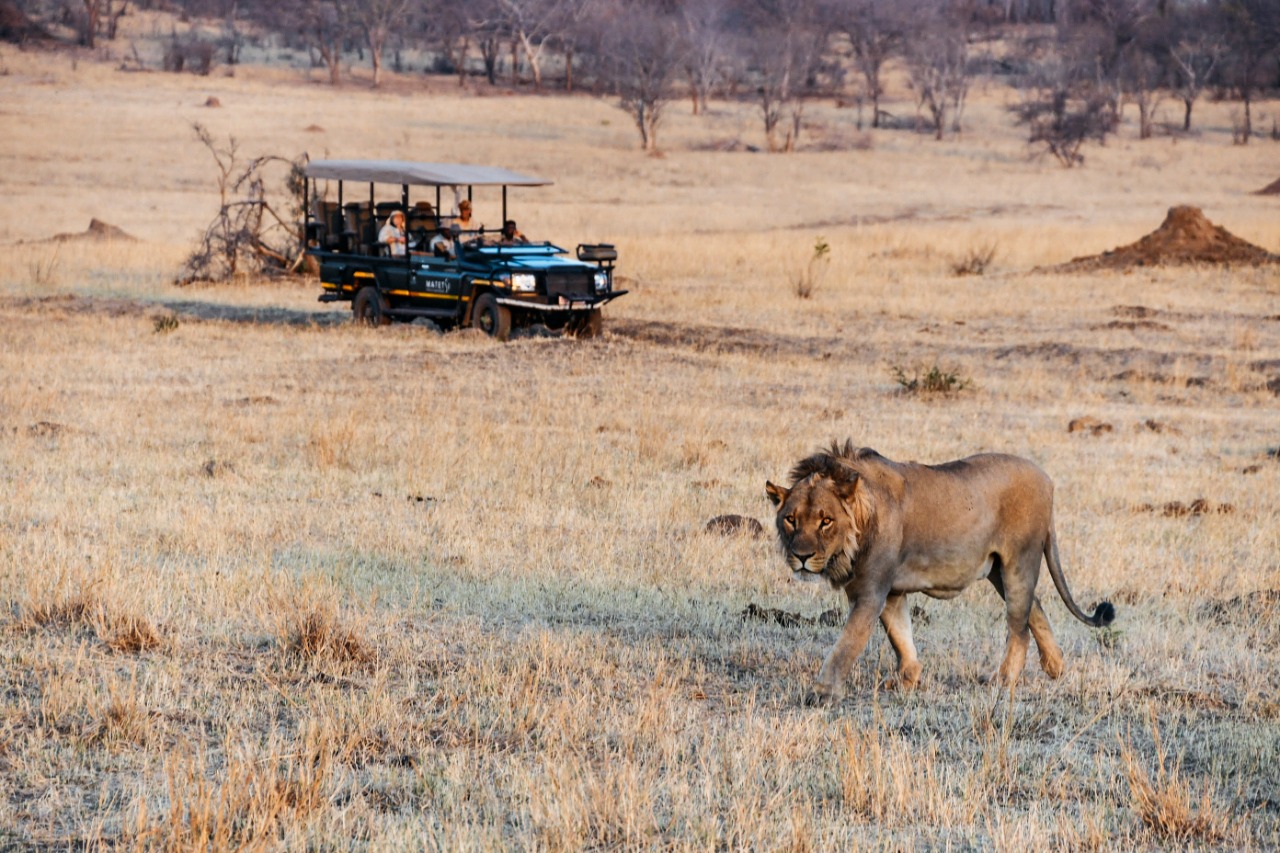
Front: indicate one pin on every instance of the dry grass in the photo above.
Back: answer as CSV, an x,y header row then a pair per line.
x,y
274,581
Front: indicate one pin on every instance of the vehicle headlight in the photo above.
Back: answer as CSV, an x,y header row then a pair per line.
x,y
524,282
602,281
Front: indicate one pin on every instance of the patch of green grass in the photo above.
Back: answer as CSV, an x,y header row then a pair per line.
x,y
931,380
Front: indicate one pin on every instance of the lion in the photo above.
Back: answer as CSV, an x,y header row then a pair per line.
x,y
880,530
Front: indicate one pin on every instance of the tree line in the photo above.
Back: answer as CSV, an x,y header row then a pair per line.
x,y
1077,63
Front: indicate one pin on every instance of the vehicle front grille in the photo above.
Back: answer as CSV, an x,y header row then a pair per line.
x,y
568,282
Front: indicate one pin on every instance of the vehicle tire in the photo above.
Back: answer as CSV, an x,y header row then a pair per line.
x,y
370,308
491,318
588,325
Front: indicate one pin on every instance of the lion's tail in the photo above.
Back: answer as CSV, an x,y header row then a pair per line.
x,y
1103,614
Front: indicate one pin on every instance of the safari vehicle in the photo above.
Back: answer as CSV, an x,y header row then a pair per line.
x,y
451,276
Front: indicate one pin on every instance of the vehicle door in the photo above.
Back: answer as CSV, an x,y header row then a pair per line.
x,y
393,277
436,286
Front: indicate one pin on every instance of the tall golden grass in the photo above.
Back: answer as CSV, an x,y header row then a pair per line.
x,y
277,584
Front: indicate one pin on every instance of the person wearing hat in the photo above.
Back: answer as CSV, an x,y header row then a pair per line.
x,y
442,244
392,234
464,215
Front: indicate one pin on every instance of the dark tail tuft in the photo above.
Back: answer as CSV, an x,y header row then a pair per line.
x,y
1103,615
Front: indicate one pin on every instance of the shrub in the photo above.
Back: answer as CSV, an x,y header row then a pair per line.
x,y
810,277
975,261
934,380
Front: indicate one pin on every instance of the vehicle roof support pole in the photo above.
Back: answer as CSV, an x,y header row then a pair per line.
x,y
306,215
404,203
504,205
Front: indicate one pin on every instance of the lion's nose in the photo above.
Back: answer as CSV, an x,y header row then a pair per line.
x,y
803,558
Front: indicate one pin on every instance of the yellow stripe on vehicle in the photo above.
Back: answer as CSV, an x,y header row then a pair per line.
x,y
419,295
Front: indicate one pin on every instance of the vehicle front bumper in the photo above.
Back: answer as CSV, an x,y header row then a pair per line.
x,y
563,303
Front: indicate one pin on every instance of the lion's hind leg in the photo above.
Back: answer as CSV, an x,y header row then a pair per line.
x,y
1018,589
1050,654
896,619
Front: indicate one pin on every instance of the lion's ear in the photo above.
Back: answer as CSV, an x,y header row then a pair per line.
x,y
848,489
857,497
776,494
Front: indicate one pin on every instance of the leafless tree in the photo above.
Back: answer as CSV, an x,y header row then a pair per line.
x,y
92,17
376,20
531,24
1064,106
875,32
1251,29
324,26
937,53
447,28
638,61
706,47
249,233
489,31
1197,49
788,41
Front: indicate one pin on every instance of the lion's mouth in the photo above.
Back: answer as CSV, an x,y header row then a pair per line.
x,y
806,566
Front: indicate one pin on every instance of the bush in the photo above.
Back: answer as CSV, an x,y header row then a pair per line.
x,y
934,380
810,277
975,261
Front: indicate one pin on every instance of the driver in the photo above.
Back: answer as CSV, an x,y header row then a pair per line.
x,y
511,234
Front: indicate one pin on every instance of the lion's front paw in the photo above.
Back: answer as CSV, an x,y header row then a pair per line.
x,y
998,679
821,695
907,679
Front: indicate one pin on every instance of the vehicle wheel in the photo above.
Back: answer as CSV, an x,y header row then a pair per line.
x,y
369,308
588,325
491,318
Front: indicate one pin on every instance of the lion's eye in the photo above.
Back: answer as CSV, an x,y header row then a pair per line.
x,y
789,521
824,524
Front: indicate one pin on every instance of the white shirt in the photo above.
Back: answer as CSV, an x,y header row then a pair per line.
x,y
394,238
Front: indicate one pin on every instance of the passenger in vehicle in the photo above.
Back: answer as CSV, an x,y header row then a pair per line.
x,y
443,243
392,234
464,215
511,234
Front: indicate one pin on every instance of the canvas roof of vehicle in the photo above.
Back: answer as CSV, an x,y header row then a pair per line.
x,y
420,174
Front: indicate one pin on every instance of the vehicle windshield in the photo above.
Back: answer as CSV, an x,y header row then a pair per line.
x,y
543,248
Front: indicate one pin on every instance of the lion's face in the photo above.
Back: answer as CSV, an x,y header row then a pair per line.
x,y
817,528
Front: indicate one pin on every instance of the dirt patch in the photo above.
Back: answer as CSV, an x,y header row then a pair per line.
x,y
184,310
1247,608
1185,237
1089,424
1134,325
786,619
218,468
97,230
1178,509
46,429
717,339
1272,188
1157,427
735,525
